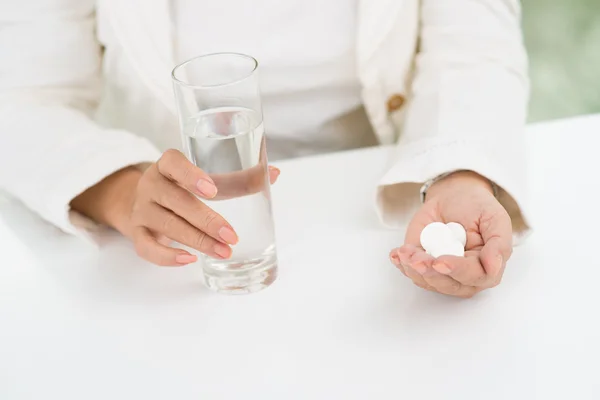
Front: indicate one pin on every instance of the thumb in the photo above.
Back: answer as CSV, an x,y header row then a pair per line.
x,y
496,233
493,256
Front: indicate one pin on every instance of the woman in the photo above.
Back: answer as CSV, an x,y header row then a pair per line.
x,y
86,110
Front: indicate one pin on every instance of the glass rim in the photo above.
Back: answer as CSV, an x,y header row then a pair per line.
x,y
225,53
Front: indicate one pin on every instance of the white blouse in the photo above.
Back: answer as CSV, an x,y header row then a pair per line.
x,y
306,54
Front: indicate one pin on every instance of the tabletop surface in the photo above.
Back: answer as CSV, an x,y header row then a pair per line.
x,y
340,322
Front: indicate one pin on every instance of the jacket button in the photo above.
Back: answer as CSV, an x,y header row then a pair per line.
x,y
395,103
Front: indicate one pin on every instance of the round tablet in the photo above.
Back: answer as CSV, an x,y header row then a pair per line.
x,y
449,248
434,233
458,231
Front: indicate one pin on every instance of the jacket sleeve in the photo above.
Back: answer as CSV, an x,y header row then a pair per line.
x,y
467,109
50,148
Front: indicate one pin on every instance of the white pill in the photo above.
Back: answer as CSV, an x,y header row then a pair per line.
x,y
458,231
434,233
452,248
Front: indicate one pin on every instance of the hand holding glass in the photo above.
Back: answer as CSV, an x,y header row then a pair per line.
x,y
222,130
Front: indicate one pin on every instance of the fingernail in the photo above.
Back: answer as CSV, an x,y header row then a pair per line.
x,y
222,250
275,170
228,235
394,258
206,188
442,268
185,258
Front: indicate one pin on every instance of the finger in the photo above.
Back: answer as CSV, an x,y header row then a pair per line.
x,y
440,283
448,286
176,228
422,262
244,182
162,239
395,259
465,292
405,252
273,174
467,270
174,166
148,248
184,204
418,266
404,255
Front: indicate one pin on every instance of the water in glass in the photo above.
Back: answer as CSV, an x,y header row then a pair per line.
x,y
228,143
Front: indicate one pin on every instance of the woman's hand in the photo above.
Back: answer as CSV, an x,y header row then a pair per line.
x,y
160,204
466,198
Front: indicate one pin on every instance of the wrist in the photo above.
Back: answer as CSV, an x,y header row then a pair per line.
x,y
109,202
459,180
122,196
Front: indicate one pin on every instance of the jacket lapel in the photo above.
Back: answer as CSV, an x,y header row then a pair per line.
x,y
376,18
144,30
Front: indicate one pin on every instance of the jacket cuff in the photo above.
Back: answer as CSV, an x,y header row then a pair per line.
x,y
398,197
111,153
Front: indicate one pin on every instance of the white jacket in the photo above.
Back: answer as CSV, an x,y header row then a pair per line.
x,y
85,90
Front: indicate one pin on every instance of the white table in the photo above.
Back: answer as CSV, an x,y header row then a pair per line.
x,y
340,322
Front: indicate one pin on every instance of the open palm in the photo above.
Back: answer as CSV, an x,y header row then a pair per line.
x,y
471,203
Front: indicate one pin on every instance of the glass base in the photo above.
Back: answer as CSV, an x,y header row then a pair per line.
x,y
240,277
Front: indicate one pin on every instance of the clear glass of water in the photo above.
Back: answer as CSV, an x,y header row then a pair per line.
x,y
220,115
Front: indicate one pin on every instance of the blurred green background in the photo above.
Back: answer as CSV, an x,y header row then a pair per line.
x,y
563,40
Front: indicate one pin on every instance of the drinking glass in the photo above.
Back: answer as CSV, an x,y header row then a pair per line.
x,y
221,121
